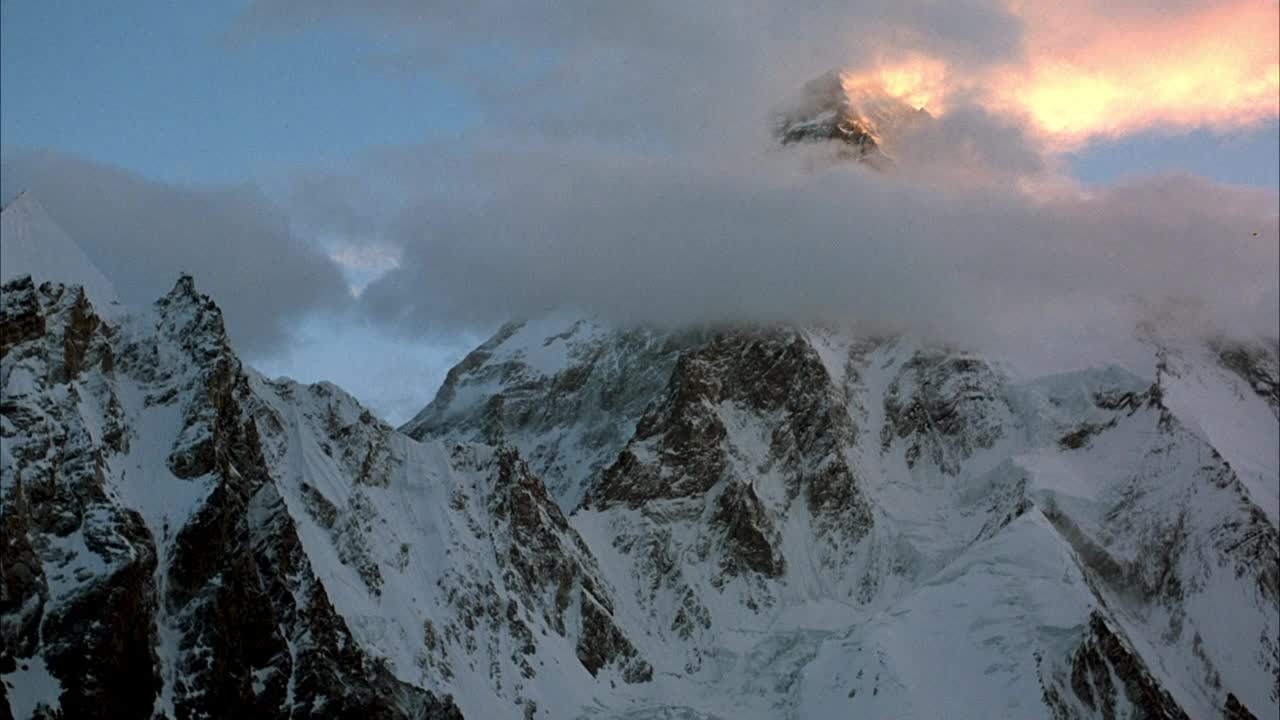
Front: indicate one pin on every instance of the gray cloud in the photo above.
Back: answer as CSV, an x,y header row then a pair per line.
x,y
774,236
625,168
142,233
622,164
665,73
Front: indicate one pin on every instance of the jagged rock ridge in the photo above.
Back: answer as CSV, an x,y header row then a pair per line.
x,y
748,522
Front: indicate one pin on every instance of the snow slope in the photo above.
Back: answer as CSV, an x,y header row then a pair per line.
x,y
31,243
800,516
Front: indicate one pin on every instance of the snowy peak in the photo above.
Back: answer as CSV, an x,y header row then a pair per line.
x,y
593,521
32,243
861,118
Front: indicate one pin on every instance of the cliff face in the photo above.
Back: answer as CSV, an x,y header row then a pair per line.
x,y
149,567
817,524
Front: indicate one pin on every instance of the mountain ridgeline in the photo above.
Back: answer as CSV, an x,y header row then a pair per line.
x,y
593,521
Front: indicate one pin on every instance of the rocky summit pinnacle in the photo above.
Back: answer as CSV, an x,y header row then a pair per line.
x,y
859,119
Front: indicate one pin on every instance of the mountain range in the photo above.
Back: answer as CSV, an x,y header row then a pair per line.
x,y
593,520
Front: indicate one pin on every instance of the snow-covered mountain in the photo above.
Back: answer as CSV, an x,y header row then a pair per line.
x,y
592,521
800,523
151,562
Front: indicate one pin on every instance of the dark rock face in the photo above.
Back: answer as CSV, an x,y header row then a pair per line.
x,y
23,319
944,408
601,643
742,406
745,523
98,635
772,374
254,630
332,677
1235,710
1104,655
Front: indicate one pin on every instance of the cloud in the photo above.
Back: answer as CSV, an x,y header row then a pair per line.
x,y
1108,69
1071,70
393,375
142,233
625,166
772,236
667,73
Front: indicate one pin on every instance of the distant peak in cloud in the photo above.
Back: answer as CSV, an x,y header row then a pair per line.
x,y
141,233
32,243
861,115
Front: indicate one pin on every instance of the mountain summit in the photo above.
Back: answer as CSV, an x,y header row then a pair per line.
x,y
859,116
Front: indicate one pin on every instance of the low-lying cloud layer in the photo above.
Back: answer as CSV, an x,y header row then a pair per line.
x,y
780,235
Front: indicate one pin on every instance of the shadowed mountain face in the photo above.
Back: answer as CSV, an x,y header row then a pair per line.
x,y
151,565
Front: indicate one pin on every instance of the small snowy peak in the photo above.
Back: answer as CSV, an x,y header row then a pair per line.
x,y
862,118
32,243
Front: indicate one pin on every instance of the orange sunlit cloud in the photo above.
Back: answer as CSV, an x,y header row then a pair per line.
x,y
921,82
1089,75
1088,72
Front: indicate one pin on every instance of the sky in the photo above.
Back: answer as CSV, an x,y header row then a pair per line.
x,y
370,188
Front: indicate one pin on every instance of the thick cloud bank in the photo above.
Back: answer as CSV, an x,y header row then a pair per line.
x,y
625,167
782,235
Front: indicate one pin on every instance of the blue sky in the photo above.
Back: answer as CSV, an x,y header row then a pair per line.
x,y
1246,157
396,146
164,89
